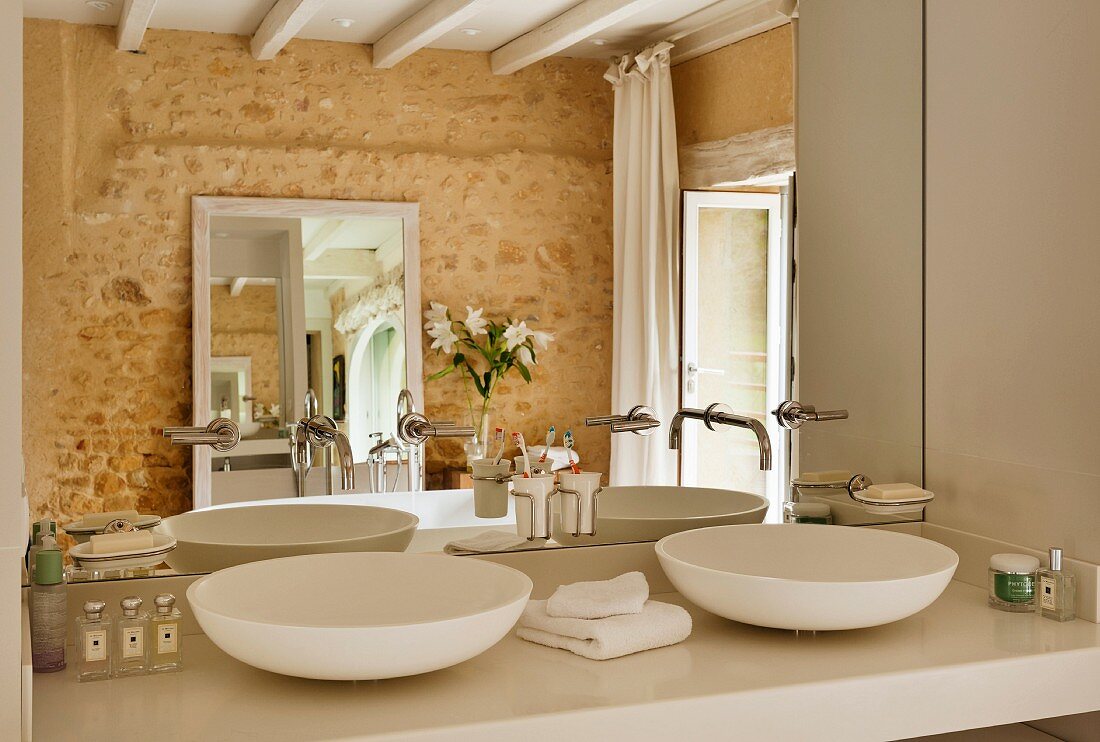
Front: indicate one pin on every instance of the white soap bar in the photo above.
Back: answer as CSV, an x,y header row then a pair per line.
x,y
896,491
102,519
834,475
110,543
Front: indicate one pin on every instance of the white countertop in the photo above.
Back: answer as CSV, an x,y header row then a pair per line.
x,y
958,664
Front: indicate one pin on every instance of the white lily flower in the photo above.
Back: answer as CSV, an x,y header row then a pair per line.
x,y
523,353
436,315
543,339
474,322
515,334
445,337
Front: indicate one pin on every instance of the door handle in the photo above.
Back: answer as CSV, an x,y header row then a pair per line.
x,y
694,369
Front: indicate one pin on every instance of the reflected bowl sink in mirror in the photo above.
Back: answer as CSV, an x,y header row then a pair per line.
x,y
807,577
209,540
648,513
359,616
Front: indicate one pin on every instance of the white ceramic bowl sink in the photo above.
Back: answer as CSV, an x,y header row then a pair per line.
x,y
807,577
209,540
361,616
648,513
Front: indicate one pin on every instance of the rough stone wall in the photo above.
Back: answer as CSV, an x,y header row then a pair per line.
x,y
512,174
248,325
739,88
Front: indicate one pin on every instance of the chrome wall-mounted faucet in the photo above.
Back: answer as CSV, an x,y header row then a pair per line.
x,y
711,416
640,420
321,432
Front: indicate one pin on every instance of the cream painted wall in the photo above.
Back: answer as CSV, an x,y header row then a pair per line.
x,y
12,506
859,236
1013,180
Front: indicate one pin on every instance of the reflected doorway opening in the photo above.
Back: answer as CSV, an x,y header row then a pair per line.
x,y
375,376
735,341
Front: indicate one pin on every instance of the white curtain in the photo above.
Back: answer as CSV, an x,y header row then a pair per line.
x,y
645,357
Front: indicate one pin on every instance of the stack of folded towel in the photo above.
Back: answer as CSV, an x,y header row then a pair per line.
x,y
604,620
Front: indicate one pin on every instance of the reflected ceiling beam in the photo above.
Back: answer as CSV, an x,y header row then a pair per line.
x,y
343,264
133,22
571,27
702,33
237,286
281,24
317,244
424,27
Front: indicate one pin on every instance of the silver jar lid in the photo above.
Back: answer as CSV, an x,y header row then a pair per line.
x,y
93,609
164,602
130,605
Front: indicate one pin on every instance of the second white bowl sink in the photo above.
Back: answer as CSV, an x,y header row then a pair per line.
x,y
807,577
360,616
645,513
208,540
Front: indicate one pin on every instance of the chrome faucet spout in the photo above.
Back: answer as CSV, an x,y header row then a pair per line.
x,y
321,432
711,416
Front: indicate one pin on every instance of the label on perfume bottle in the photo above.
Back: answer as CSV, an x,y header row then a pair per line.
x,y
133,642
95,645
1047,593
166,638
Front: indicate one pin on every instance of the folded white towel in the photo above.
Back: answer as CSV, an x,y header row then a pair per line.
x,y
490,541
622,595
658,625
560,454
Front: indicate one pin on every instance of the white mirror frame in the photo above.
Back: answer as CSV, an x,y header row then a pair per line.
x,y
203,209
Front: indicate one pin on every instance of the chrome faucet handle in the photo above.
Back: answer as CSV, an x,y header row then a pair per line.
x,y
222,434
414,428
641,420
792,414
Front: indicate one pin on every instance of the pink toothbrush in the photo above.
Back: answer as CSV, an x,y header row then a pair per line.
x,y
517,439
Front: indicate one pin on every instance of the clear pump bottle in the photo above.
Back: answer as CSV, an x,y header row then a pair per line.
x,y
132,648
166,651
1056,593
93,643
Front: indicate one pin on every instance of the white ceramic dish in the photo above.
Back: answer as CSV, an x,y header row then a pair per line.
x,y
151,557
807,577
249,428
363,616
82,533
209,540
650,513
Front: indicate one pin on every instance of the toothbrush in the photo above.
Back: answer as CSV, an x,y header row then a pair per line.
x,y
550,435
517,439
498,436
569,452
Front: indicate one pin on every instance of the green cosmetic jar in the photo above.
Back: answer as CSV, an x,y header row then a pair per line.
x,y
1012,582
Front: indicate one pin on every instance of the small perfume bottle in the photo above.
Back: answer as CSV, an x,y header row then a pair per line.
x,y
93,643
1056,597
132,651
166,652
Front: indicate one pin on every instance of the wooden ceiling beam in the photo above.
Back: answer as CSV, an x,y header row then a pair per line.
x,y
580,22
133,22
424,27
281,24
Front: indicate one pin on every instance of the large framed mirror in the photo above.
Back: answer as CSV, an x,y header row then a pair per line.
x,y
298,303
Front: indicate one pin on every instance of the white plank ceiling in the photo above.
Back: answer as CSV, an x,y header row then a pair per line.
x,y
573,28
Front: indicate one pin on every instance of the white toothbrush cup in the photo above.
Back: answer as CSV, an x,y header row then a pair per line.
x,y
490,488
582,489
533,495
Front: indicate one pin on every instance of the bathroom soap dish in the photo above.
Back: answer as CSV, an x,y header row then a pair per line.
x,y
137,558
888,499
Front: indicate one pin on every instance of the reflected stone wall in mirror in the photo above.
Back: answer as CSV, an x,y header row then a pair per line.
x,y
300,299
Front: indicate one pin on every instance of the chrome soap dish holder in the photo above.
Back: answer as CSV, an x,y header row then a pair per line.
x,y
858,485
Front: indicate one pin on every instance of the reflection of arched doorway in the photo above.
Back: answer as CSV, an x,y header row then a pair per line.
x,y
376,374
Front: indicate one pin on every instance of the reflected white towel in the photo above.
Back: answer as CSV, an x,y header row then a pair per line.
x,y
658,625
560,454
490,541
622,595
